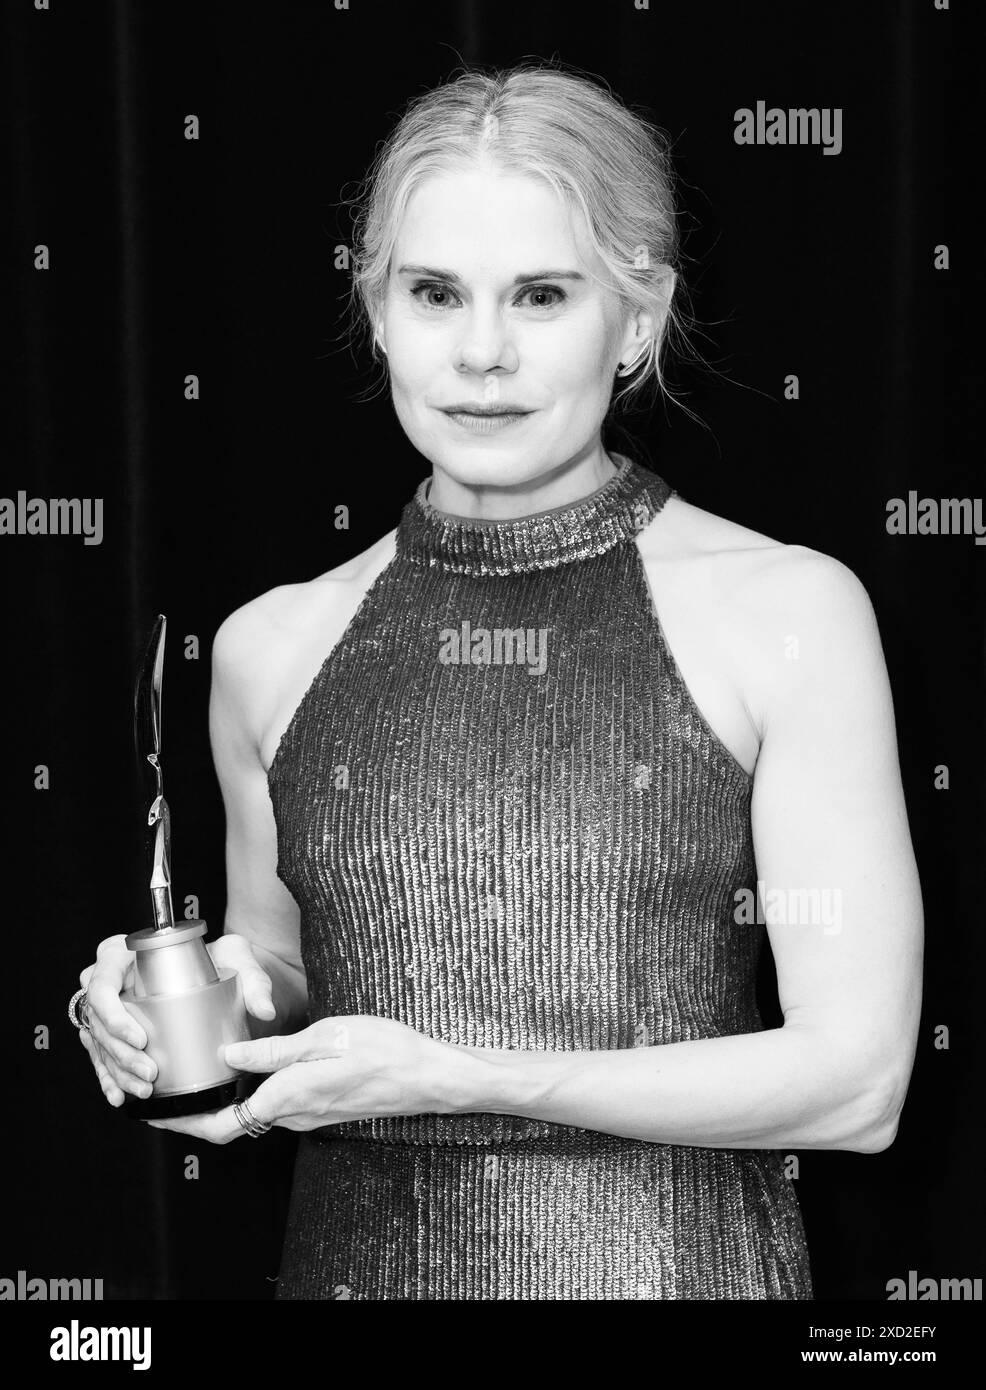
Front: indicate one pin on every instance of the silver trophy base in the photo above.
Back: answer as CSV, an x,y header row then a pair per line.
x,y
187,1028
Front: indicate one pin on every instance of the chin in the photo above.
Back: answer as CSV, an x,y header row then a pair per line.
x,y
479,465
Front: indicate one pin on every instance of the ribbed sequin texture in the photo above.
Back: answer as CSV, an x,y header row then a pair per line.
x,y
507,824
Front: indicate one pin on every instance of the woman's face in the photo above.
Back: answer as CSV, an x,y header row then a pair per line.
x,y
491,301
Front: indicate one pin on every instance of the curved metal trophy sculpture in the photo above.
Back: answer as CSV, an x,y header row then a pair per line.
x,y
189,1009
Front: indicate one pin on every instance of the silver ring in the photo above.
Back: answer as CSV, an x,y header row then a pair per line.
x,y
248,1120
261,1125
79,997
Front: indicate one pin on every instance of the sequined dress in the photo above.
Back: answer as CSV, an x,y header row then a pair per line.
x,y
507,824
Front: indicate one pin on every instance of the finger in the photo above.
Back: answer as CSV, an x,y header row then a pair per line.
x,y
131,1060
110,944
85,976
275,1098
108,1086
215,1126
236,953
103,991
126,1081
258,991
123,1076
269,1054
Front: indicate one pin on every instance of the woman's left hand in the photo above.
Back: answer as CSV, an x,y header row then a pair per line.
x,y
338,1069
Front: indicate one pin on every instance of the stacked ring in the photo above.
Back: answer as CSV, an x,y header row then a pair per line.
x,y
79,1017
248,1120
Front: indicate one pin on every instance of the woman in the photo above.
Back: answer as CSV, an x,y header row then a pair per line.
x,y
500,790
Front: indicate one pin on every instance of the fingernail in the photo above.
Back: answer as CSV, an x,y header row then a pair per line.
x,y
143,1069
234,1053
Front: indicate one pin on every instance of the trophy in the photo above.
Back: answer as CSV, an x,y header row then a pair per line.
x,y
189,1009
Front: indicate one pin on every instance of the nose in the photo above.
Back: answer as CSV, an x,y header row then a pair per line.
x,y
485,343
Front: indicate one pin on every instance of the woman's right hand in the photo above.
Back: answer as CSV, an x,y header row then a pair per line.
x,y
115,1040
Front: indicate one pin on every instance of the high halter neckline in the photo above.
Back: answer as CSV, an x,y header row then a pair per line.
x,y
577,530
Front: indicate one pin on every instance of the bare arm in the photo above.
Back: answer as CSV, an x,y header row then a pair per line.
x,y
828,813
259,907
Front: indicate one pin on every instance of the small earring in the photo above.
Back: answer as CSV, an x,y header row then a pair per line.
x,y
626,368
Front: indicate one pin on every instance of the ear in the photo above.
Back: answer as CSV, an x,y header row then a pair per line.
x,y
640,328
643,325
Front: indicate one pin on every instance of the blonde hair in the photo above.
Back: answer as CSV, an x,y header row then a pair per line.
x,y
549,122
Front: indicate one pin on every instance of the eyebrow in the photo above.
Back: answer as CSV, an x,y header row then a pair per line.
x,y
525,279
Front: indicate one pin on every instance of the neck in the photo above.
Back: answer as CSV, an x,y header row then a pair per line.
x,y
579,529
555,487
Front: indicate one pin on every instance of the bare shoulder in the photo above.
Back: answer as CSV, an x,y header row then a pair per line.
x,y
260,645
780,614
772,576
281,614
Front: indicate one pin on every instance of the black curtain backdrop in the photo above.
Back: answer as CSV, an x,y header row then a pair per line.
x,y
220,257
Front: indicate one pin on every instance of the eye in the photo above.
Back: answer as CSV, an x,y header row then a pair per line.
x,y
547,289
430,285
427,287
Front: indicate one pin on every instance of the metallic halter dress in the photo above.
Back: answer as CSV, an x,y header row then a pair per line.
x,y
507,824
